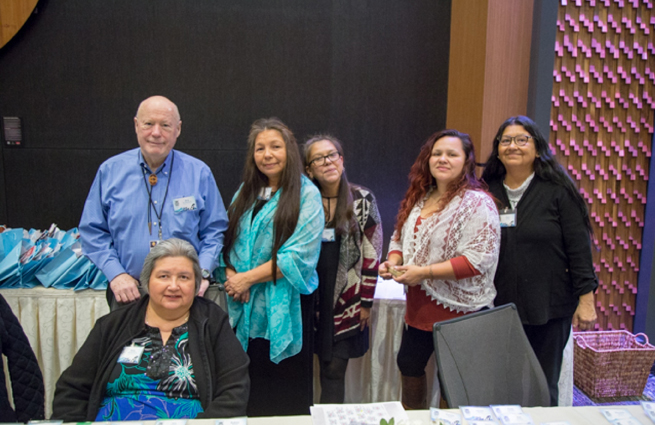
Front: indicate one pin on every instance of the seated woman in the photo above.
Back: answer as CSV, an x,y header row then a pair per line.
x,y
169,355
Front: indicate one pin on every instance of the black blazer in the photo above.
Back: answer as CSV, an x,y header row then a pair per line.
x,y
545,262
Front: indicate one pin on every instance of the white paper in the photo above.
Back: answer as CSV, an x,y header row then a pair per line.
x,y
477,413
506,409
444,417
614,414
357,414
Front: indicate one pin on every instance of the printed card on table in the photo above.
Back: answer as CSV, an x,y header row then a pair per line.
x,y
477,413
628,421
360,414
649,409
614,414
444,417
506,409
516,419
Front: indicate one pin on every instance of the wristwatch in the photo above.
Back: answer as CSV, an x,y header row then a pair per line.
x,y
205,274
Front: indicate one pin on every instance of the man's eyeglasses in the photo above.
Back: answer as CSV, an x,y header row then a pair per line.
x,y
518,140
322,160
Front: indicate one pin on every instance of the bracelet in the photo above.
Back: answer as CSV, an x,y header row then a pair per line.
x,y
430,269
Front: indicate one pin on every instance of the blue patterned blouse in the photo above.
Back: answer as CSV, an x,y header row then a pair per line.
x,y
161,385
273,311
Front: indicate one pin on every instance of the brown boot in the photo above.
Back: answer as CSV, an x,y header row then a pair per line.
x,y
414,396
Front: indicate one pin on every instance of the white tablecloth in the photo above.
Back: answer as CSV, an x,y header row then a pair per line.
x,y
58,321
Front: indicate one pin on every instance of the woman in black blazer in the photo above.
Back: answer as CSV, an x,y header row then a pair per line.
x,y
545,265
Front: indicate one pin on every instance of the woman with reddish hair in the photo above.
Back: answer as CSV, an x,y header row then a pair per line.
x,y
444,248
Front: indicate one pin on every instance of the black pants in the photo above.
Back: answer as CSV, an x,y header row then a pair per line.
x,y
286,388
548,342
415,350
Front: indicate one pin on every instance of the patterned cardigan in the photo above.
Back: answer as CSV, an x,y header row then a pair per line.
x,y
359,259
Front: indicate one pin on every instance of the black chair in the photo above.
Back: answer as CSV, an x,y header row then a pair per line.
x,y
485,358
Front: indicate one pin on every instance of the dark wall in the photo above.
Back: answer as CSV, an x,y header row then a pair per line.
x,y
373,73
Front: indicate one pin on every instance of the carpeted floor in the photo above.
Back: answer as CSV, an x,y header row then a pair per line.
x,y
581,399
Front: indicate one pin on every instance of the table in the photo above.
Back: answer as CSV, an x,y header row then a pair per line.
x,y
587,415
58,321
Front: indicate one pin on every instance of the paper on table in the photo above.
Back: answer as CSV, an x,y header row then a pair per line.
x,y
357,414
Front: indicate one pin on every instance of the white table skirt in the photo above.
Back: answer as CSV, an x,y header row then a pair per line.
x,y
57,323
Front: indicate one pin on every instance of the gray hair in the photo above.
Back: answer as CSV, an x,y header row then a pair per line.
x,y
171,248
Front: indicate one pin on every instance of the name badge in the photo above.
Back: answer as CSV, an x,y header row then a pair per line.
x,y
153,244
508,218
131,354
265,193
184,204
329,235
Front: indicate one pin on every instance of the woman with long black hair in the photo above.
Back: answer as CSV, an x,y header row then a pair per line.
x,y
545,265
269,259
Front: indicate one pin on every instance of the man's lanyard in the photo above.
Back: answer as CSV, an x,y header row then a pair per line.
x,y
152,179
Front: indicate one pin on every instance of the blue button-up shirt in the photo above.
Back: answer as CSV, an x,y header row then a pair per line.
x,y
114,226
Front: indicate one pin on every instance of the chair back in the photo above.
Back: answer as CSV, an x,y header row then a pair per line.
x,y
485,358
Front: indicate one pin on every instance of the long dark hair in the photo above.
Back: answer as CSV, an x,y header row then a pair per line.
x,y
288,207
545,164
344,211
421,180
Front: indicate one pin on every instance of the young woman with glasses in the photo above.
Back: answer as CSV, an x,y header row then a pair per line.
x,y
348,265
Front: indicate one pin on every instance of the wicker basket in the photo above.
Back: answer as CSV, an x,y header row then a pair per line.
x,y
611,363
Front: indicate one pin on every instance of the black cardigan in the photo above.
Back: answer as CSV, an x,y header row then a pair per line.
x,y
26,377
219,362
545,262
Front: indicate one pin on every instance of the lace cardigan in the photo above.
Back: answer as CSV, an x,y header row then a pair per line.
x,y
468,226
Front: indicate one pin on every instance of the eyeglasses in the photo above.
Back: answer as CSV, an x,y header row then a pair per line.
x,y
322,160
518,140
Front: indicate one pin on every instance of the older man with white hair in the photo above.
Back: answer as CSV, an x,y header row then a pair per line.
x,y
149,194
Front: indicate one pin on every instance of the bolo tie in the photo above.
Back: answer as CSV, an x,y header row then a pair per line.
x,y
149,183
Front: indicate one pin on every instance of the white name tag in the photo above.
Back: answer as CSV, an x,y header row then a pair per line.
x,y
265,193
184,204
508,218
329,235
131,354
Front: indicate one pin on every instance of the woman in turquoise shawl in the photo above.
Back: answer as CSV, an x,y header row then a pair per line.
x,y
269,258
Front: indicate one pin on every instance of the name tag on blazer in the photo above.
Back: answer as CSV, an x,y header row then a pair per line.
x,y
508,218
